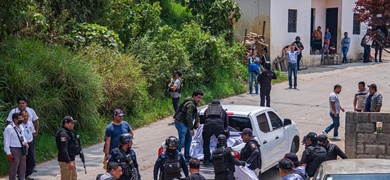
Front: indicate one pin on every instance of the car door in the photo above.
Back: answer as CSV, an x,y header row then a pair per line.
x,y
267,144
278,135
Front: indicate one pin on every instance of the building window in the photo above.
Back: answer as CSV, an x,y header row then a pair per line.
x,y
292,20
356,25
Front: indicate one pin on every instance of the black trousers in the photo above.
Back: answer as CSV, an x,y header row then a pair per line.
x,y
175,103
224,176
30,159
208,131
299,60
265,91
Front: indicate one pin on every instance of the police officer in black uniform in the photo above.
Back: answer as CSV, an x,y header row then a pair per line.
x,y
264,80
332,149
251,151
127,158
216,122
313,155
224,160
67,149
170,162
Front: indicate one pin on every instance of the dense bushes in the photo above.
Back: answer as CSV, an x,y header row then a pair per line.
x,y
123,82
54,81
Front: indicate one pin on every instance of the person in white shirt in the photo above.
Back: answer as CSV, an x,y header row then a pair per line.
x,y
22,105
28,130
13,144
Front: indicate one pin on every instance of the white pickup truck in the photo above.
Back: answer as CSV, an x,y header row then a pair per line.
x,y
275,136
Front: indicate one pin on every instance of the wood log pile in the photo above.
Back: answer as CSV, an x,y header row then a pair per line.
x,y
257,42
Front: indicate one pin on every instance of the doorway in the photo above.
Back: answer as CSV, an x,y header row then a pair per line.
x,y
331,23
312,19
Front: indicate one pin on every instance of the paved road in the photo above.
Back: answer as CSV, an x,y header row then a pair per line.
x,y
307,106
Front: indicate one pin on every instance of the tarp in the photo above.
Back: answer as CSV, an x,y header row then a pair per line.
x,y
196,149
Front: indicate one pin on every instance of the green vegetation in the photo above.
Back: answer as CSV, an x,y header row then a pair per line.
x,y
86,58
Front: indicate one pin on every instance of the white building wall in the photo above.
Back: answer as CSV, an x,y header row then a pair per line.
x,y
253,13
355,49
275,14
280,37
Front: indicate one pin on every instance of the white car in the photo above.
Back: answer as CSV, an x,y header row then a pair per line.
x,y
354,169
275,136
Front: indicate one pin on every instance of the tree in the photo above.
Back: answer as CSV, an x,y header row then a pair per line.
x,y
217,16
374,12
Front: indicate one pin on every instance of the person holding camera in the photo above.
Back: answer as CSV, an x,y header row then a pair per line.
x,y
15,146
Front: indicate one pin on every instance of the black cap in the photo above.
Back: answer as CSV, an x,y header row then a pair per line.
x,y
178,72
372,86
293,157
247,131
312,136
297,37
68,119
286,164
118,112
322,138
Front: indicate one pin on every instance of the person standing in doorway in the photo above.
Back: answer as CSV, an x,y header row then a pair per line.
x,y
335,108
317,39
292,56
345,46
327,36
299,46
360,96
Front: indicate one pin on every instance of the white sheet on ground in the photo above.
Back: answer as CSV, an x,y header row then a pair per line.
x,y
244,173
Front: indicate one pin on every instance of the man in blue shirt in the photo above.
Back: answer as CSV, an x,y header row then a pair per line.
x,y
292,56
345,46
254,71
113,131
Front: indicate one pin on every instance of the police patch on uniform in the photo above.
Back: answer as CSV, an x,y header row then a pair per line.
x,y
253,146
63,139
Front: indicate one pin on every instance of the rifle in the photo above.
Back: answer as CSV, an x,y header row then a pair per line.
x,y
380,44
81,152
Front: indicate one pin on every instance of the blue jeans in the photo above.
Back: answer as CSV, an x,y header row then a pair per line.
x,y
345,52
292,68
366,53
185,138
335,125
253,78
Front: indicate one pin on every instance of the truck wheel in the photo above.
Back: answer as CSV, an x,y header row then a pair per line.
x,y
295,145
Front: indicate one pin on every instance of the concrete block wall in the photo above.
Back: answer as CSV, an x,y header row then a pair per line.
x,y
360,139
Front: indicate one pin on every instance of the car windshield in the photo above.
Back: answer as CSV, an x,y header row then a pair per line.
x,y
357,177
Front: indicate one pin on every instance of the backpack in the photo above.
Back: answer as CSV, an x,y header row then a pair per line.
x,y
219,161
179,114
318,154
363,41
214,110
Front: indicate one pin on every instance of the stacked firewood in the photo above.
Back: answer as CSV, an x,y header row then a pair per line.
x,y
257,42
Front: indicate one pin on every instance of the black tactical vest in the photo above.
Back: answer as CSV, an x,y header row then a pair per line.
x,y
172,167
219,160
